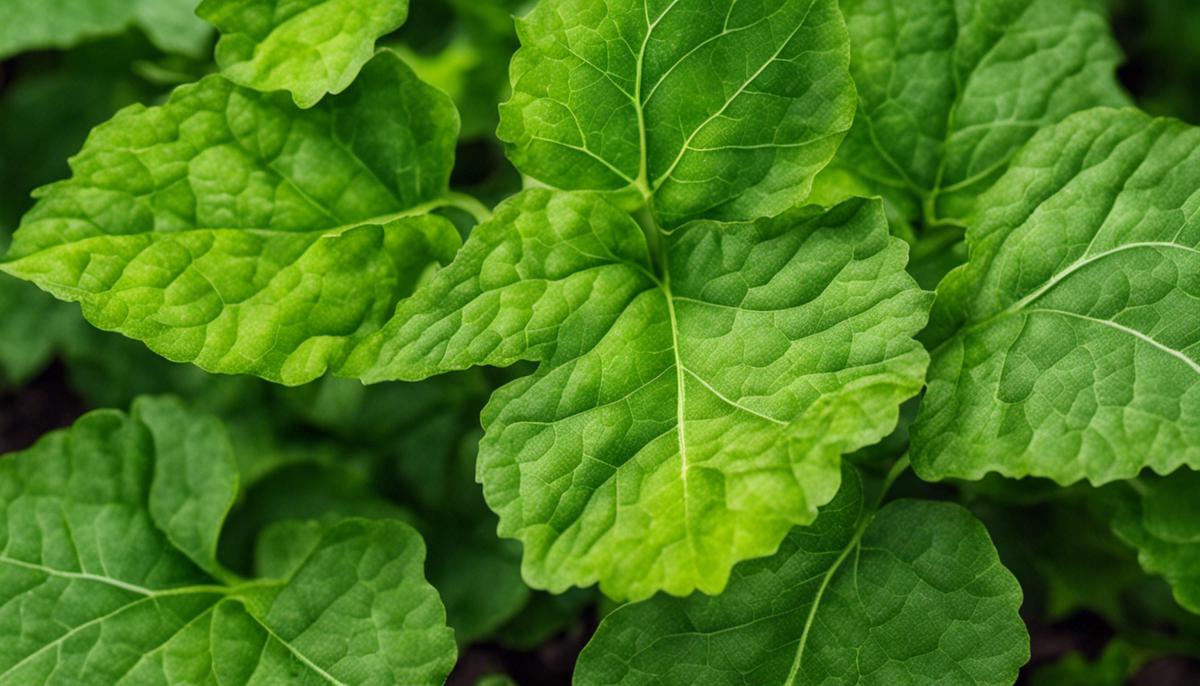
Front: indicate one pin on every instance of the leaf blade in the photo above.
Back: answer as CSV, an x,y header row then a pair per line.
x,y
1066,311
714,402
227,229
308,48
838,602
95,590
637,124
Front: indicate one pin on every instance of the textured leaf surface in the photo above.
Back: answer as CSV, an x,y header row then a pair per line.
x,y
39,24
228,229
307,47
675,425
96,584
950,89
721,109
476,574
1162,521
1069,346
912,594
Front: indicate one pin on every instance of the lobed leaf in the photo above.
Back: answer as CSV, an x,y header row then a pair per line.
x,y
724,109
107,575
912,593
307,47
1069,346
676,425
228,229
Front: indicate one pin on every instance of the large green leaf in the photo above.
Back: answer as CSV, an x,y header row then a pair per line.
x,y
950,89
228,229
677,424
1161,519
720,109
107,575
38,24
1069,346
911,594
307,47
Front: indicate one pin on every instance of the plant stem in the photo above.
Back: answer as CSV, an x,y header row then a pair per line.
x,y
470,205
645,219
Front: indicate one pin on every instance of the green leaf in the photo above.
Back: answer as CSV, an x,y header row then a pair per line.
x,y
1161,520
307,47
33,327
36,24
47,115
949,90
1115,667
1069,346
195,477
676,425
911,594
476,574
283,547
96,584
464,48
1064,553
724,109
228,229
545,616
496,680
322,491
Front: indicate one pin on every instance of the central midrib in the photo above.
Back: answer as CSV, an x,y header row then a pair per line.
x,y
816,604
1022,306
325,232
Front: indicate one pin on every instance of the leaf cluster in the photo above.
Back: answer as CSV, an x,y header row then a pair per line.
x,y
804,342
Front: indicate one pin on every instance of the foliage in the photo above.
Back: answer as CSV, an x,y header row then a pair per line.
x,y
668,294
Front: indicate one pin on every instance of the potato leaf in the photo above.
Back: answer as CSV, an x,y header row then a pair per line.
x,y
913,593
307,47
718,109
107,575
1069,346
229,229
677,424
